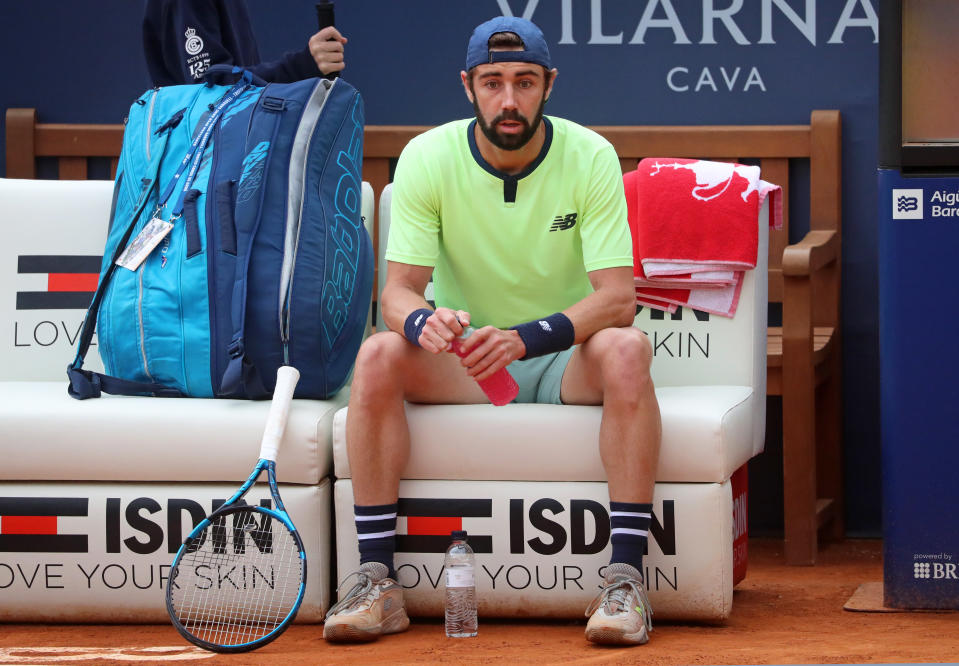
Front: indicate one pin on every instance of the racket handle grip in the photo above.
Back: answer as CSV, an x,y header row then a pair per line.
x,y
324,18
324,14
286,378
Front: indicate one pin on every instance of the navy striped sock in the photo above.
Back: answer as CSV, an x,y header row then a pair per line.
x,y
629,529
376,533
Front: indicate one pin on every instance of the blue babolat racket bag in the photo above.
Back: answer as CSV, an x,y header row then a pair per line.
x,y
236,243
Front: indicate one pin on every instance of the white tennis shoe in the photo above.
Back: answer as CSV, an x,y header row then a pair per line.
x,y
373,607
620,614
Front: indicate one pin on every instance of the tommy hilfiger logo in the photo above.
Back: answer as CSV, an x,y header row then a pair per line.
x,y
430,521
562,223
57,282
31,524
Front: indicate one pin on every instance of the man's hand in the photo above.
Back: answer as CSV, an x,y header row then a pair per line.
x,y
326,47
441,328
488,349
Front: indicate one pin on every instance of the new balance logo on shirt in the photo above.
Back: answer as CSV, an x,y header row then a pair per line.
x,y
562,223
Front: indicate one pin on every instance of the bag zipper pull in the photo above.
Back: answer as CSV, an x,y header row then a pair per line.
x,y
172,122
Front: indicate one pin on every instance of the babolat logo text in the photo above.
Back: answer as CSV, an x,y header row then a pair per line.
x,y
345,231
562,223
907,204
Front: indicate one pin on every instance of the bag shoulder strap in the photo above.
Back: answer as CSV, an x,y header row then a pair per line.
x,y
85,383
241,376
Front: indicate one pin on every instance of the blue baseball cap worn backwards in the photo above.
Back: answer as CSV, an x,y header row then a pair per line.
x,y
534,44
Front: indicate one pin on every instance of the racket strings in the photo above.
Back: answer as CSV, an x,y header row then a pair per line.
x,y
239,584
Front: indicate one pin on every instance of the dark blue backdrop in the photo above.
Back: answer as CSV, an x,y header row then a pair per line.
x,y
620,62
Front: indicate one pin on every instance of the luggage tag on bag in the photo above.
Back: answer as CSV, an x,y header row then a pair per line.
x,y
156,229
145,242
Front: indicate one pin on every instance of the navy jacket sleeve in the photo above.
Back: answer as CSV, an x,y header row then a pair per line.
x,y
183,38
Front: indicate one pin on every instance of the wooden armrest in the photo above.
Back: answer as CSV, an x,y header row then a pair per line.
x,y
818,248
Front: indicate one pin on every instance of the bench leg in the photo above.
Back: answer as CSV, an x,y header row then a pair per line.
x,y
799,465
829,469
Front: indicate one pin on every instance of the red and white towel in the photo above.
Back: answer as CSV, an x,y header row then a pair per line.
x,y
694,231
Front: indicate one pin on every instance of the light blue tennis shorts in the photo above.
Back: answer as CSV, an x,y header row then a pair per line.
x,y
540,379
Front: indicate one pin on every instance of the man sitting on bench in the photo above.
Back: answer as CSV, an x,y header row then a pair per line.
x,y
516,215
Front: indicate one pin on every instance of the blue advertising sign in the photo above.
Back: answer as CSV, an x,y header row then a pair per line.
x,y
918,237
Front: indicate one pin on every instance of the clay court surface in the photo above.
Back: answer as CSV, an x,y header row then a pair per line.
x,y
781,615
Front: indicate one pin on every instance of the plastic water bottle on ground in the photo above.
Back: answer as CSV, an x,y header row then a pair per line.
x,y
461,621
500,388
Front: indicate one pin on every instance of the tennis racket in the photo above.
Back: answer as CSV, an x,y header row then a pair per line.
x,y
238,579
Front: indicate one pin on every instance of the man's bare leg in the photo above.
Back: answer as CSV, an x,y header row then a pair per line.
x,y
389,370
612,368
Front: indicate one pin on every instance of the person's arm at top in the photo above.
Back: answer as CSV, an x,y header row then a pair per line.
x,y
174,57
323,55
607,252
612,303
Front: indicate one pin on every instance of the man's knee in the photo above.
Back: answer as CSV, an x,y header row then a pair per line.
x,y
379,357
627,355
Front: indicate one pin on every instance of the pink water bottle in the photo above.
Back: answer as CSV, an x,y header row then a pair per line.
x,y
500,388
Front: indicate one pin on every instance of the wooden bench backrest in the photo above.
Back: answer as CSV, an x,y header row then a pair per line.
x,y
773,146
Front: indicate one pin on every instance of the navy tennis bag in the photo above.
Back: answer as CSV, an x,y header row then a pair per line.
x,y
236,243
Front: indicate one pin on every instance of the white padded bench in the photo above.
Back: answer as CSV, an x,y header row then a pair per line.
x,y
112,485
527,483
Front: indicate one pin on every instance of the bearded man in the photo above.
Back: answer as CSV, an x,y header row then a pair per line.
x,y
520,218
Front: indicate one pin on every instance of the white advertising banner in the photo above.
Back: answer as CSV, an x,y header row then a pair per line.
x,y
541,547
85,552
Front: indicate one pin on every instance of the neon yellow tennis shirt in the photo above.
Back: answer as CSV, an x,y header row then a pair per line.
x,y
509,249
